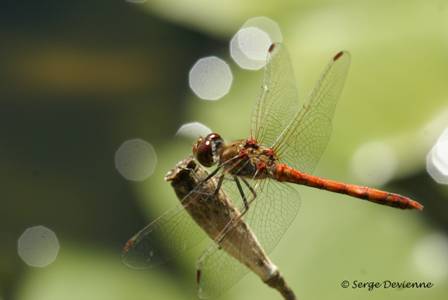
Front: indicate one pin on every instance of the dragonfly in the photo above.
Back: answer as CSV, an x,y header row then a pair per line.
x,y
287,138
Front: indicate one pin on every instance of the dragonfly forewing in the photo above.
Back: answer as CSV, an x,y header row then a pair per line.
x,y
303,142
278,100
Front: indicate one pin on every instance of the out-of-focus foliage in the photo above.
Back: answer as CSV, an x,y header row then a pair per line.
x,y
81,79
92,275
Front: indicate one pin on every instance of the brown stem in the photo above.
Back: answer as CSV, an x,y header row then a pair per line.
x,y
277,282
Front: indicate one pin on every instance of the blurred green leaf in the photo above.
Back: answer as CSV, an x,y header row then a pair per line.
x,y
95,274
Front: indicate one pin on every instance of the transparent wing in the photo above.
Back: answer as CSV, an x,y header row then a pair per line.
x,y
278,101
164,238
219,272
269,216
174,231
304,140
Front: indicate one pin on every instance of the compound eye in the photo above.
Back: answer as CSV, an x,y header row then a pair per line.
x,y
215,140
203,152
212,136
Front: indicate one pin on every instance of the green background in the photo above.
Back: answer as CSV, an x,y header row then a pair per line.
x,y
80,77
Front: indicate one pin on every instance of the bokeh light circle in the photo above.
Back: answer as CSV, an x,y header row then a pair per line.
x,y
374,163
267,25
430,256
241,59
210,78
193,130
38,246
254,43
249,46
136,159
437,159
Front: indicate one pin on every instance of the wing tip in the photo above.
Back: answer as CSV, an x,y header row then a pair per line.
x,y
271,47
128,246
340,54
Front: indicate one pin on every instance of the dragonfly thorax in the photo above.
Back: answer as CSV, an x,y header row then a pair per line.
x,y
207,150
246,158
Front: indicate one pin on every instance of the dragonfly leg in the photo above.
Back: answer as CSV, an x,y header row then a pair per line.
x,y
202,181
218,187
213,173
232,223
251,189
210,175
240,189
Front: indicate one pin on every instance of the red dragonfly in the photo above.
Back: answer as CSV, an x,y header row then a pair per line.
x,y
285,144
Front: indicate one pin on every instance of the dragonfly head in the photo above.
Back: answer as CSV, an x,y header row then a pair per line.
x,y
206,150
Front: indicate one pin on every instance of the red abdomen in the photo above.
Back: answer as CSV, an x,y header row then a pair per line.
x,y
288,174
